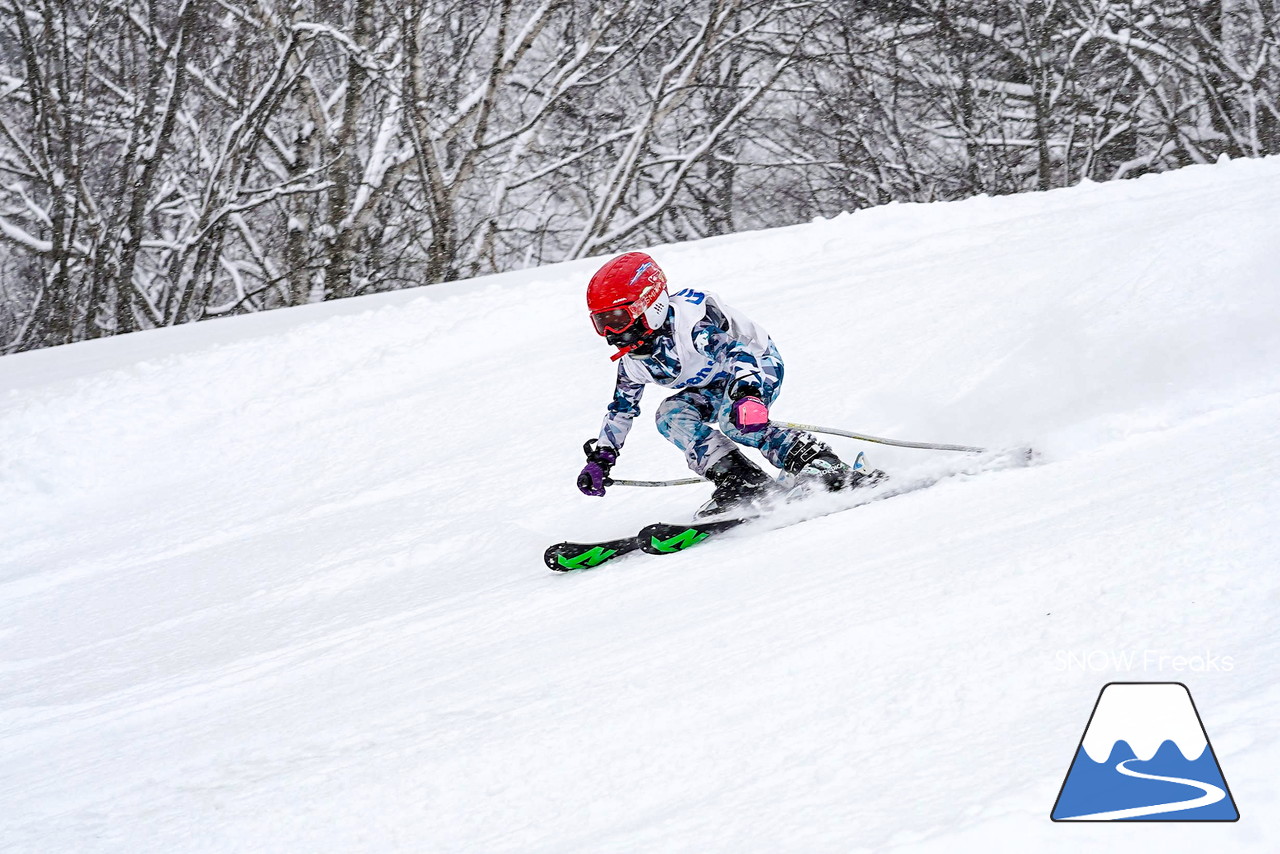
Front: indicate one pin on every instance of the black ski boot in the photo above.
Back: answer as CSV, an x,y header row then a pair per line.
x,y
811,460
738,483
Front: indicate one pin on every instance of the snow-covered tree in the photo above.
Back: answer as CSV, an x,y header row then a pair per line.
x,y
164,161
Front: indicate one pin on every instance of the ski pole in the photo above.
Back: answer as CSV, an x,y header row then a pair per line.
x,y
813,428
684,481
931,446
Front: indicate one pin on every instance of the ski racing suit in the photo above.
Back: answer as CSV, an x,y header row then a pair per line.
x,y
704,350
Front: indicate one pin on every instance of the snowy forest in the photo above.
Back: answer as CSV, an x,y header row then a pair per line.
x,y
164,161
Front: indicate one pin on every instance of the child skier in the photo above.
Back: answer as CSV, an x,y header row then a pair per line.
x,y
727,372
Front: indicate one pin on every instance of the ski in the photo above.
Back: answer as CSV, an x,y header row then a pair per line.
x,y
667,538
563,557
660,538
663,538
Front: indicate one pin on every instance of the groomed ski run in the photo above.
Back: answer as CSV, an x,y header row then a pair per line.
x,y
273,583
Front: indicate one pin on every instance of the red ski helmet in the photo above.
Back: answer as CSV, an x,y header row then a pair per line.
x,y
627,299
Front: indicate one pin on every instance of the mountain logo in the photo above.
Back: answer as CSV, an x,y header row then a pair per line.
x,y
1145,756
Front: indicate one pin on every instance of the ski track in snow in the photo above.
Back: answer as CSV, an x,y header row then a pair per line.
x,y
274,583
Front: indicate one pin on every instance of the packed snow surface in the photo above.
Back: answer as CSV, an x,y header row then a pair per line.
x,y
275,584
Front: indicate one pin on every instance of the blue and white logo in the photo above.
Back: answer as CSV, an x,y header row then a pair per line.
x,y
1145,756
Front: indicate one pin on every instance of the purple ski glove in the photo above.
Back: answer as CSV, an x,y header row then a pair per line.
x,y
595,474
749,413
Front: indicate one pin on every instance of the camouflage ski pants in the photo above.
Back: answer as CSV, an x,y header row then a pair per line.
x,y
697,421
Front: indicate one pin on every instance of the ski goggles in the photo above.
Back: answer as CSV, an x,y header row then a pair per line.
x,y
616,319
619,318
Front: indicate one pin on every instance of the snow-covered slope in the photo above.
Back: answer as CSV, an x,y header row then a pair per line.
x,y
274,583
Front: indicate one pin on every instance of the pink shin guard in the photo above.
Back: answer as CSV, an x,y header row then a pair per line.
x,y
750,414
